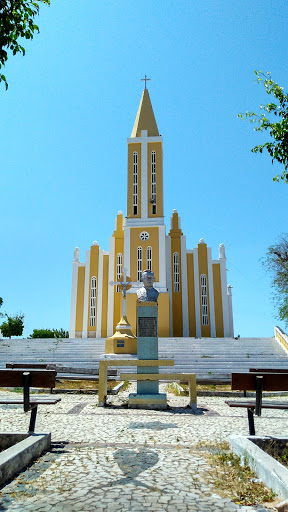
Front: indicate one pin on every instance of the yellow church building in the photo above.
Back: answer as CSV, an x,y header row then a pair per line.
x,y
194,298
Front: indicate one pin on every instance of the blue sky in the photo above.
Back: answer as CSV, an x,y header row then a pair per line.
x,y
70,106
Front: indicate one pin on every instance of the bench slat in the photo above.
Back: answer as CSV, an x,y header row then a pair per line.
x,y
252,403
38,378
42,401
271,381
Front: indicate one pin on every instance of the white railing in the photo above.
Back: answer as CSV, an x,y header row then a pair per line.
x,y
281,337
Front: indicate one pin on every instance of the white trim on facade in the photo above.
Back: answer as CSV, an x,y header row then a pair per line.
x,y
149,222
99,295
144,174
223,275
136,140
86,295
197,296
162,256
184,285
169,280
72,329
110,309
127,250
211,293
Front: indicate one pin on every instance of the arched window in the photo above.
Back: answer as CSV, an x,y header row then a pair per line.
x,y
153,181
135,183
204,299
118,270
149,258
93,301
176,272
139,263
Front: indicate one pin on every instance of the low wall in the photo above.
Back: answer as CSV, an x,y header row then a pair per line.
x,y
281,337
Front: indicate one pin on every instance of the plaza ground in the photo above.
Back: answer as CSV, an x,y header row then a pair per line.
x,y
120,459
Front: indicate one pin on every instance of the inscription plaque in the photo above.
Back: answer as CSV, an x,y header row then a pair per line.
x,y
147,327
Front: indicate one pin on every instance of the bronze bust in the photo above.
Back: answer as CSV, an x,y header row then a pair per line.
x,y
147,292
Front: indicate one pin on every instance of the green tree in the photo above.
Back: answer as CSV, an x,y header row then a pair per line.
x,y
273,118
49,333
1,302
13,326
276,263
16,23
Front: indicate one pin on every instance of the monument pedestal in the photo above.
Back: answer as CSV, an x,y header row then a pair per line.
x,y
123,340
147,348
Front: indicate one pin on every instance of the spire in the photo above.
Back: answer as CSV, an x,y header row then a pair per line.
x,y
145,119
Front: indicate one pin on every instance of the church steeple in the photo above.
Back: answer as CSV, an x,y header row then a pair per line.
x,y
145,167
145,119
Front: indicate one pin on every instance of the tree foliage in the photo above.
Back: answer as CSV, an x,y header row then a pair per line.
x,y
16,23
13,326
276,263
1,302
49,333
274,119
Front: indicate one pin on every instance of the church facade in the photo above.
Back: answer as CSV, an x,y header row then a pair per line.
x,y
194,299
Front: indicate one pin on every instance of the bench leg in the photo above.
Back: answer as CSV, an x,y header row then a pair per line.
x,y
192,392
33,419
251,422
102,393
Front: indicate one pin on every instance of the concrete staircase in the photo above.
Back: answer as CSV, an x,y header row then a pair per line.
x,y
211,359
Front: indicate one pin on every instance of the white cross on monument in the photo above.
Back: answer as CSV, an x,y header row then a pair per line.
x,y
124,285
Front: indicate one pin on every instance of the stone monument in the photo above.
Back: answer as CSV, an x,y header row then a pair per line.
x,y
147,345
123,340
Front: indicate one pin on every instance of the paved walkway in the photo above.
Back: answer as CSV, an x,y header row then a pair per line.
x,y
118,459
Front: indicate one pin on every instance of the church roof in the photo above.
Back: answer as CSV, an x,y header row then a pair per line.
x,y
145,119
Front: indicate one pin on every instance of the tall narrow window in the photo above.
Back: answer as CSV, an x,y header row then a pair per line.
x,y
135,183
118,270
149,258
93,301
153,181
139,263
176,272
204,299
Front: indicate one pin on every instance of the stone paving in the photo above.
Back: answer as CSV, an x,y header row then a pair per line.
x,y
120,459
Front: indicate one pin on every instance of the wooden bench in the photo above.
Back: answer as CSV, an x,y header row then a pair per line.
x,y
66,372
258,382
190,378
26,379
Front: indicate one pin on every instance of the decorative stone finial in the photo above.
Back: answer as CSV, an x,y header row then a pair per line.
x,y
201,241
95,242
76,254
221,251
175,211
120,212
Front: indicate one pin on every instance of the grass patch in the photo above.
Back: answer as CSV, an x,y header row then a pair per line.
x,y
232,477
126,385
175,389
82,384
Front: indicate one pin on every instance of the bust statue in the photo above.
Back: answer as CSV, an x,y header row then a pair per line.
x,y
147,292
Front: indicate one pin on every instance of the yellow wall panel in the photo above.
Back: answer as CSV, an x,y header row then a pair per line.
x,y
105,296
203,269
131,310
157,147
218,300
94,265
131,148
135,242
191,294
80,299
163,315
119,249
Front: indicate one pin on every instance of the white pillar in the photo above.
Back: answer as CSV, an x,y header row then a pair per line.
x,y
73,299
144,175
110,313
162,259
223,275
169,281
185,316
231,326
196,288
86,295
99,294
211,293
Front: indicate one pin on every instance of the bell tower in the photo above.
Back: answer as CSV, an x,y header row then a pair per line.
x,y
145,168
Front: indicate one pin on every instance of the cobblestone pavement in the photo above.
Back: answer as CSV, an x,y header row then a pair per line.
x,y
120,459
